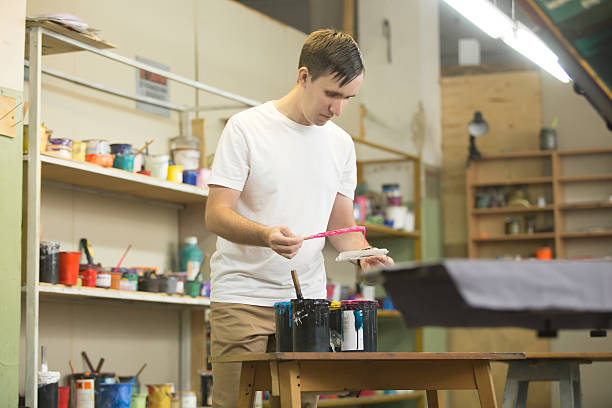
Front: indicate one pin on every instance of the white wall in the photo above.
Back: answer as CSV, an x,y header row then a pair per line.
x,y
12,32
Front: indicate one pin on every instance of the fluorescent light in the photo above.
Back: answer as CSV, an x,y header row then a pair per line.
x,y
496,24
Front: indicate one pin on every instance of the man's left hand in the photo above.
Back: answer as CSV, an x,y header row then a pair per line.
x,y
375,262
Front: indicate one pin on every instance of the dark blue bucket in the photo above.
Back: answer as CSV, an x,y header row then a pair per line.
x,y
114,395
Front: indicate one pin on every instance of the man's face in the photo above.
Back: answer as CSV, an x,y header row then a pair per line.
x,y
324,98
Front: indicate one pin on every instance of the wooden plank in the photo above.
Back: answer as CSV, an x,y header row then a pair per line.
x,y
516,237
589,178
435,399
52,46
586,206
118,181
513,182
484,382
290,384
48,290
523,154
359,356
246,389
577,152
569,356
348,17
587,234
385,148
334,376
510,210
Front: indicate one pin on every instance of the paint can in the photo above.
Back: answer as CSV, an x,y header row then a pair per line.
x,y
175,173
115,280
124,162
157,165
121,148
103,280
193,287
282,317
190,177
335,327
206,384
68,267
160,396
88,277
85,397
114,395
148,284
78,151
139,401
310,325
97,146
189,399
49,261
168,284
359,325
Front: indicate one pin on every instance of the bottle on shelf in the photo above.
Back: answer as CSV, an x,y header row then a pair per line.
x,y
190,257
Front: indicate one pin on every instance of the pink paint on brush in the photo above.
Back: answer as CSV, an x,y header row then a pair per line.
x,y
339,231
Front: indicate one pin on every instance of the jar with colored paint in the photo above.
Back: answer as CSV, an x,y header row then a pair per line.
x,y
157,165
103,280
78,151
124,162
193,288
310,325
69,267
359,325
49,254
190,177
175,173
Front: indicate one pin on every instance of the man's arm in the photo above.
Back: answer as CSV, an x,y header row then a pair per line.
x,y
222,219
342,217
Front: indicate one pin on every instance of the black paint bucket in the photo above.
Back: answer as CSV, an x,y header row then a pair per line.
x,y
49,254
310,325
359,325
335,327
282,316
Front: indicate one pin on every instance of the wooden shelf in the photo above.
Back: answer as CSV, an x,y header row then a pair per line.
x,y
375,231
586,206
52,46
374,399
388,313
530,180
591,177
587,234
518,155
118,181
49,290
511,210
517,237
577,152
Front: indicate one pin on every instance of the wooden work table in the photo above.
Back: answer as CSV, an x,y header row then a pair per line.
x,y
288,374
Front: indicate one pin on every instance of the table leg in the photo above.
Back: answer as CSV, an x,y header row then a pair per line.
x,y
484,384
515,393
246,391
569,387
289,381
435,399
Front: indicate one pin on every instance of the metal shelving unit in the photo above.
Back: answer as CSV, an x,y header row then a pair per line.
x,y
46,39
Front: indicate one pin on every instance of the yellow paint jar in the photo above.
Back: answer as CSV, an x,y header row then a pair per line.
x,y
175,173
78,151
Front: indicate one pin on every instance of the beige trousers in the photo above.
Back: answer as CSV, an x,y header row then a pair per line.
x,y
238,329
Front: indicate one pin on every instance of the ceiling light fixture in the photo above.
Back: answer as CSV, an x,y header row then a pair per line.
x,y
496,24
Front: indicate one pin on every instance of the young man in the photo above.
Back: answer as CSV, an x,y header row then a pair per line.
x,y
282,171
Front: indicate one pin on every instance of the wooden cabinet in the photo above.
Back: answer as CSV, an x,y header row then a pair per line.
x,y
562,199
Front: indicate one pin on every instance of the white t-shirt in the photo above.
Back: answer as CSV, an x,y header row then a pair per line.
x,y
289,174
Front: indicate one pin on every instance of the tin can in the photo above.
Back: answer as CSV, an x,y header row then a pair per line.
x,y
85,395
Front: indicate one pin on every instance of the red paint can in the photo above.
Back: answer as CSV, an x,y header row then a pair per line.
x,y
88,276
69,267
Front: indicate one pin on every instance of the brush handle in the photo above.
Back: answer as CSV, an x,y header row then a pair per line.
x,y
140,371
296,283
100,363
336,232
84,354
121,260
144,147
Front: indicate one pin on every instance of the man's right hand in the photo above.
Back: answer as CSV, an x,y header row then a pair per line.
x,y
282,241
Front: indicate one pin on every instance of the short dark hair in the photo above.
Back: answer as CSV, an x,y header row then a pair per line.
x,y
330,51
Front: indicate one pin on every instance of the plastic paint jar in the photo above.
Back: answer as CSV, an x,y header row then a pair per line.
x,y
193,288
115,279
310,325
97,146
78,151
203,176
282,317
49,261
121,148
88,277
157,165
175,173
189,399
69,267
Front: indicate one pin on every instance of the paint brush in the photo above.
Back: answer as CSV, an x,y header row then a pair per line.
x,y
336,232
144,147
199,272
123,257
71,367
99,367
140,371
84,354
296,283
